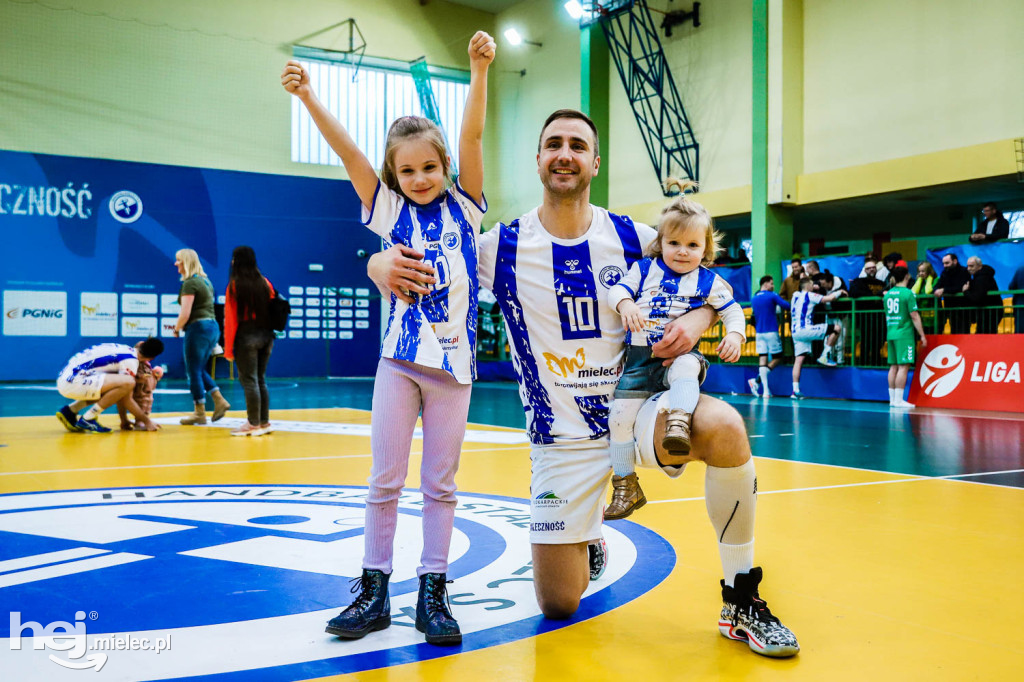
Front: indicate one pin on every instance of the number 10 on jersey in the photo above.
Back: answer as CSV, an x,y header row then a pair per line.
x,y
578,315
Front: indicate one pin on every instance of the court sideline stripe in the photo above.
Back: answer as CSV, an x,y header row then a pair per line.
x,y
218,463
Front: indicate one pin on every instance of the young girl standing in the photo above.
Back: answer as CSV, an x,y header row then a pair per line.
x,y
428,353
670,281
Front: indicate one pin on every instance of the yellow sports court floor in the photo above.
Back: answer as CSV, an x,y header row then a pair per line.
x,y
890,545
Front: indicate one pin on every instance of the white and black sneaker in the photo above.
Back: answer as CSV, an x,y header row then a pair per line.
x,y
746,618
598,554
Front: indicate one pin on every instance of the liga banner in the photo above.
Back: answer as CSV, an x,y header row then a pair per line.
x,y
976,372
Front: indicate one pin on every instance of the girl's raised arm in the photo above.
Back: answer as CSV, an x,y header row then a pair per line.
x,y
295,80
471,149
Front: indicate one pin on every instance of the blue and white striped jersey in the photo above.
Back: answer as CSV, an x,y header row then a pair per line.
x,y
108,358
567,344
439,330
802,309
663,295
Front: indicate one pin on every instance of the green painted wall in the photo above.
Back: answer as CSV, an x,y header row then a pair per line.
x,y
886,80
190,82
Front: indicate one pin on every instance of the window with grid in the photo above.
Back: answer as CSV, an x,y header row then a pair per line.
x,y
367,101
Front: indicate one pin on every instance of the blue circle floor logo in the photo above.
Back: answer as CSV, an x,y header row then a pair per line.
x,y
237,582
125,206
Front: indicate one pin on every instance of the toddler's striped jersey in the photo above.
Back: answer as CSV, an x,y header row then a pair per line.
x,y
439,329
567,344
109,358
663,295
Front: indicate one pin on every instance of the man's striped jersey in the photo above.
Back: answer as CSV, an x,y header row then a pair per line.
x,y
663,295
567,343
108,358
802,308
439,329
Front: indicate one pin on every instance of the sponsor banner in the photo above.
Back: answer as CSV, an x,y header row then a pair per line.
x,y
977,372
167,326
99,314
140,327
35,313
169,304
138,304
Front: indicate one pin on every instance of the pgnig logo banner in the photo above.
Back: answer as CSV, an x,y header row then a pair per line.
x,y
238,582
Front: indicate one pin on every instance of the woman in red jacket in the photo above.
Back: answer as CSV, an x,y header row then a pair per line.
x,y
248,338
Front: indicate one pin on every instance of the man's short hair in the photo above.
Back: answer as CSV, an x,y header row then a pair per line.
x,y
766,279
952,257
899,273
570,113
893,257
975,259
870,264
814,263
151,347
796,259
991,205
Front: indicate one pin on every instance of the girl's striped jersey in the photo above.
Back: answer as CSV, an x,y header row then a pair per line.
x,y
439,329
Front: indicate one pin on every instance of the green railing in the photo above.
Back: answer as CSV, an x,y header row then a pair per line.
x,y
862,343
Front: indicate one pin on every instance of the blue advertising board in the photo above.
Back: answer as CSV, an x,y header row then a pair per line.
x,y
89,250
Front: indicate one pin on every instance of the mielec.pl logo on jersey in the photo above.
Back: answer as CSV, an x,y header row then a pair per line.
x,y
942,370
125,206
244,578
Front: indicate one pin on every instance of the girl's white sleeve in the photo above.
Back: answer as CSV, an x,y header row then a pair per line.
x,y
627,287
384,211
721,299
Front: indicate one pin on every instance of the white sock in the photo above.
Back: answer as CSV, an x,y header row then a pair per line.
x,y
623,458
92,412
762,372
892,396
683,394
796,387
730,495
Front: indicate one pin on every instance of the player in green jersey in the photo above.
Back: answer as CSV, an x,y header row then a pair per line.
x,y
901,321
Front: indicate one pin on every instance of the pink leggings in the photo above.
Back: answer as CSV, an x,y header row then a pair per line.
x,y
399,391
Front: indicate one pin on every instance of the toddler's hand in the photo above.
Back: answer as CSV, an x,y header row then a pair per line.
x,y
481,49
730,348
632,318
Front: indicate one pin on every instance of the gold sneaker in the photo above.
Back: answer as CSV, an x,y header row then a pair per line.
x,y
627,497
677,433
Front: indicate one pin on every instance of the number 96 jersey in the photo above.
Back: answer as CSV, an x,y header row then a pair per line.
x,y
439,329
567,343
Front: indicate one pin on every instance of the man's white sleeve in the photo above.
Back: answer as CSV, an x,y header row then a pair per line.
x,y
487,256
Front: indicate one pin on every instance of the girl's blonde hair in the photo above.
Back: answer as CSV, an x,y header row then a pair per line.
x,y
405,128
190,259
685,213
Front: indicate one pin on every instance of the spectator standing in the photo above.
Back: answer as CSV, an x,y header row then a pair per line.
x,y
1016,284
811,268
791,284
869,320
196,319
980,294
926,278
248,338
994,226
901,321
952,281
766,328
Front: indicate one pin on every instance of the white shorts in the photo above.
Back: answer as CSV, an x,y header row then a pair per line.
x,y
567,492
81,386
644,429
803,337
768,343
